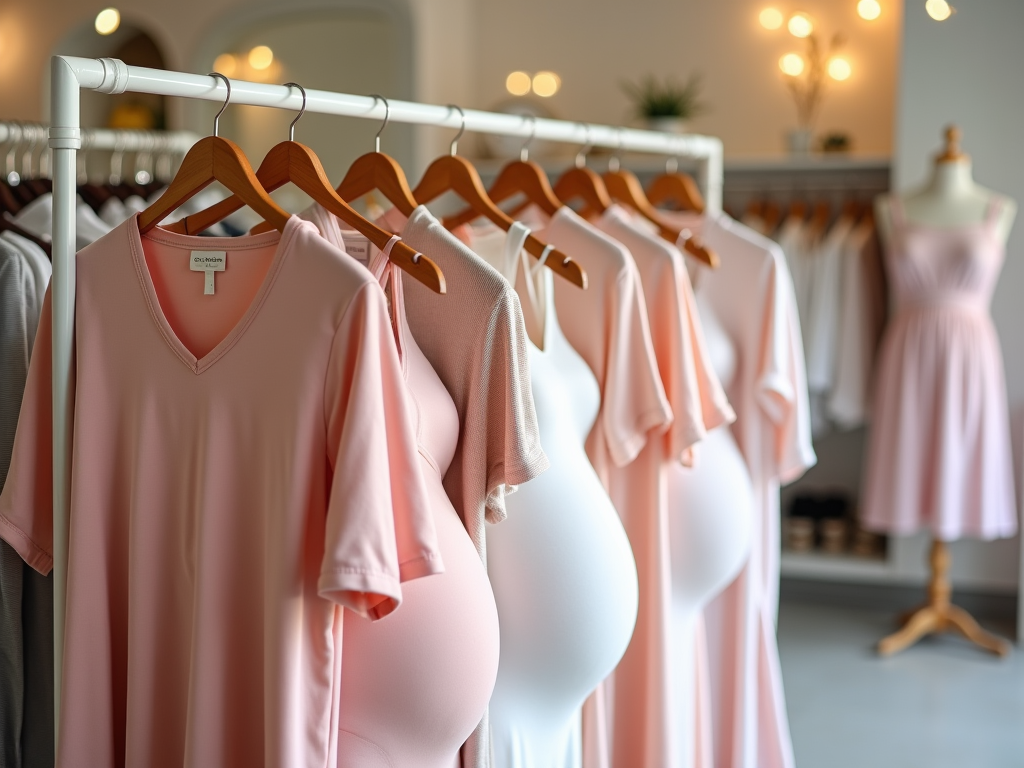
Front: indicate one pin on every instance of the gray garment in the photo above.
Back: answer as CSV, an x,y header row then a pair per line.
x,y
26,597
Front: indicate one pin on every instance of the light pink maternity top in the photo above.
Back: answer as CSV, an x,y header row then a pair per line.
x,y
244,465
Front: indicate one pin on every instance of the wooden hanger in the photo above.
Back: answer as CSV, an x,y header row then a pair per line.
x,y
798,209
451,173
581,183
293,162
518,177
673,186
770,215
377,171
214,159
625,187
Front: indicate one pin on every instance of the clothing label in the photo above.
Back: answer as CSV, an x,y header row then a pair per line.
x,y
358,247
208,262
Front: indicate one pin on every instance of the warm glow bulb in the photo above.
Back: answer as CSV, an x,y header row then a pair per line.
x,y
800,25
792,64
839,68
771,18
261,57
108,20
938,9
869,10
518,83
226,64
546,84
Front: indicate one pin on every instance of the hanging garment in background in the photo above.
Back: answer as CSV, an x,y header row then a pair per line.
x,y
37,218
561,566
241,470
645,721
940,456
751,293
475,338
416,686
822,323
794,238
862,315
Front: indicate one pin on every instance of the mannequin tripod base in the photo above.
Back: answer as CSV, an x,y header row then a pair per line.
x,y
940,615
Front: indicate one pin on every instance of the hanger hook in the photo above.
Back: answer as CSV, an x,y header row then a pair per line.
x,y
227,100
581,156
614,162
524,152
462,129
387,116
291,128
672,162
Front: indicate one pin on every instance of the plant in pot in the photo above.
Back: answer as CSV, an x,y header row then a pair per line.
x,y
806,78
666,105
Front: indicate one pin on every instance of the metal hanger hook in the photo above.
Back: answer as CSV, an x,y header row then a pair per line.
x,y
462,129
387,116
227,100
614,162
581,156
672,163
524,151
291,128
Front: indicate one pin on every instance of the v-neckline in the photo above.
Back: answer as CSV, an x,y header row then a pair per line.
x,y
198,365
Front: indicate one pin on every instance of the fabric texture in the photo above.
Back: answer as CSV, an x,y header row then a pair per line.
x,y
751,294
644,719
416,686
940,456
225,505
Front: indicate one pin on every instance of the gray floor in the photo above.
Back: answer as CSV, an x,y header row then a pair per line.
x,y
941,704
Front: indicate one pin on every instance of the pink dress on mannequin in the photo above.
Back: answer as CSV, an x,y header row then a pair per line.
x,y
416,686
940,445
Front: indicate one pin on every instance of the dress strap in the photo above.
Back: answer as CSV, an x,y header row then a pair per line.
x,y
386,272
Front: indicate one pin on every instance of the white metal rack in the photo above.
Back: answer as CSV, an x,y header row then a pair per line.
x,y
69,75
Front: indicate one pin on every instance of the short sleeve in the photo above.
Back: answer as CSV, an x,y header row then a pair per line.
x,y
633,399
519,456
26,504
379,528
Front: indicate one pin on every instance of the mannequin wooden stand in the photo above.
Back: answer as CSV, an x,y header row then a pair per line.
x,y
940,615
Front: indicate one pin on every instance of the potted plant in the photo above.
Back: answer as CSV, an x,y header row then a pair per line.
x,y
808,87
667,105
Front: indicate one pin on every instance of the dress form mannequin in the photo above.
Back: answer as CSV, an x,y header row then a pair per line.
x,y
711,517
951,199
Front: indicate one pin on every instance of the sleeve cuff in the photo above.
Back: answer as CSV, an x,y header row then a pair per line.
x,y
371,595
37,558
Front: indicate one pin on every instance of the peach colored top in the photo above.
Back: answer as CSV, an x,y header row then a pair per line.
x,y
752,295
244,465
641,709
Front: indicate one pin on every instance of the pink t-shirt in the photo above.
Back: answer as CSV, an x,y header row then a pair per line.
x,y
244,464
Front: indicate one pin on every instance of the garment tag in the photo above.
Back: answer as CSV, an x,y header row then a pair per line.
x,y
357,246
208,262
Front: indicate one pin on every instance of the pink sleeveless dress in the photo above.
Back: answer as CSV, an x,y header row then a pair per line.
x,y
416,685
940,440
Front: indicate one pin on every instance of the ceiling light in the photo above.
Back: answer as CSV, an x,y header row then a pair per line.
x,y
800,25
939,10
792,64
108,20
518,83
839,68
226,64
261,57
771,18
869,10
546,84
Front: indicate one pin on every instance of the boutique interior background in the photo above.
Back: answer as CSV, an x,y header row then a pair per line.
x,y
909,76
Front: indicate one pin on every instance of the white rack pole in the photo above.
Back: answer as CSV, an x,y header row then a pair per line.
x,y
69,74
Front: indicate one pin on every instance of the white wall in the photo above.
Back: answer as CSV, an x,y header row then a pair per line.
x,y
968,71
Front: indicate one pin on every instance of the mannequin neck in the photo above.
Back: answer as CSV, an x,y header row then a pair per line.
x,y
952,179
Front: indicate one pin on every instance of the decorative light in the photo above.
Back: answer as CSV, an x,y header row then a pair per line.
x,y
546,84
869,10
261,57
518,83
771,18
839,68
107,21
800,25
226,64
939,10
792,64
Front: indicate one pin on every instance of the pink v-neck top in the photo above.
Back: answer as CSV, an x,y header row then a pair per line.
x,y
244,464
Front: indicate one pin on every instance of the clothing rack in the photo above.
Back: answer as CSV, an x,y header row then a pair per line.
x,y
70,74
